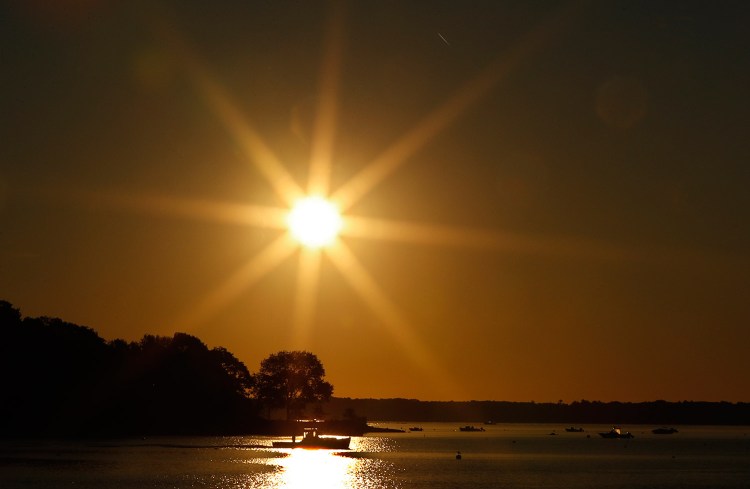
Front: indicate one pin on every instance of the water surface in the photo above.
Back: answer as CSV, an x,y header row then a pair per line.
x,y
503,456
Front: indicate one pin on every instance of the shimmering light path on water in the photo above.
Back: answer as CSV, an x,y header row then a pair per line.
x,y
504,456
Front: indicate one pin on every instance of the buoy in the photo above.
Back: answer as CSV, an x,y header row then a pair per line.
x,y
458,455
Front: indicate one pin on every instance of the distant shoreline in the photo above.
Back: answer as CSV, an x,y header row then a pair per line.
x,y
577,412
60,379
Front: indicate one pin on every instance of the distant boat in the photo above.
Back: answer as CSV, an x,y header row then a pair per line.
x,y
616,433
470,428
489,421
415,428
663,431
311,439
573,429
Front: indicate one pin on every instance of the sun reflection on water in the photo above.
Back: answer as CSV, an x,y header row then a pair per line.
x,y
315,468
332,469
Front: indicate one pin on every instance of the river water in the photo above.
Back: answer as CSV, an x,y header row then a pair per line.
x,y
503,456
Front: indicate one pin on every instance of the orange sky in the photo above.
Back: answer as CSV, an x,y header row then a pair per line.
x,y
541,202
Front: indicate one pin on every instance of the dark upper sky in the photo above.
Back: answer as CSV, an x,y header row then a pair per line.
x,y
600,149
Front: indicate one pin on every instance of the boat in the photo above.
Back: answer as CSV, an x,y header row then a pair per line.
x,y
663,431
311,439
470,428
573,429
415,428
615,432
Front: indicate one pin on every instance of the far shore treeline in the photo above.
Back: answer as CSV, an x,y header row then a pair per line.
x,y
578,412
62,379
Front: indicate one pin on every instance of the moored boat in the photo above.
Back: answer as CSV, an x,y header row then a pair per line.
x,y
663,431
615,432
311,439
573,429
470,428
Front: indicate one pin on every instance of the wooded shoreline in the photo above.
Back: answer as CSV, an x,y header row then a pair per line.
x,y
62,379
578,412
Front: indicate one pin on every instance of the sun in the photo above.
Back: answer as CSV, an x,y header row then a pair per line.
x,y
312,218
314,221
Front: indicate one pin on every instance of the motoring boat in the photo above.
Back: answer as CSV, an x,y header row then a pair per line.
x,y
616,433
311,439
664,431
470,428
573,429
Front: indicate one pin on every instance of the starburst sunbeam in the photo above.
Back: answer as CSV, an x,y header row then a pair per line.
x,y
391,317
325,122
440,118
307,288
231,117
248,274
463,237
178,207
512,193
306,229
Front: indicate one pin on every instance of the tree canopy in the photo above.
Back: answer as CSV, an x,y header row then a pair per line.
x,y
291,379
59,378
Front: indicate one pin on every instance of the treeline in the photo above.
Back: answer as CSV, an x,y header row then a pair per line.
x,y
61,379
578,412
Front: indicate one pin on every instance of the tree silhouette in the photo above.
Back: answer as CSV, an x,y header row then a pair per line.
x,y
291,379
62,379
10,317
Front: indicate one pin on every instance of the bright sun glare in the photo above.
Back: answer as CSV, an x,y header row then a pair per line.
x,y
314,221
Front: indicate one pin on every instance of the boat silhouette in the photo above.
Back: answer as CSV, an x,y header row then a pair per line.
x,y
311,439
615,432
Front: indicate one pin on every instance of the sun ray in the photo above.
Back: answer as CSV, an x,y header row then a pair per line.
x,y
251,143
441,117
392,319
464,237
305,300
231,117
169,206
325,121
250,273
